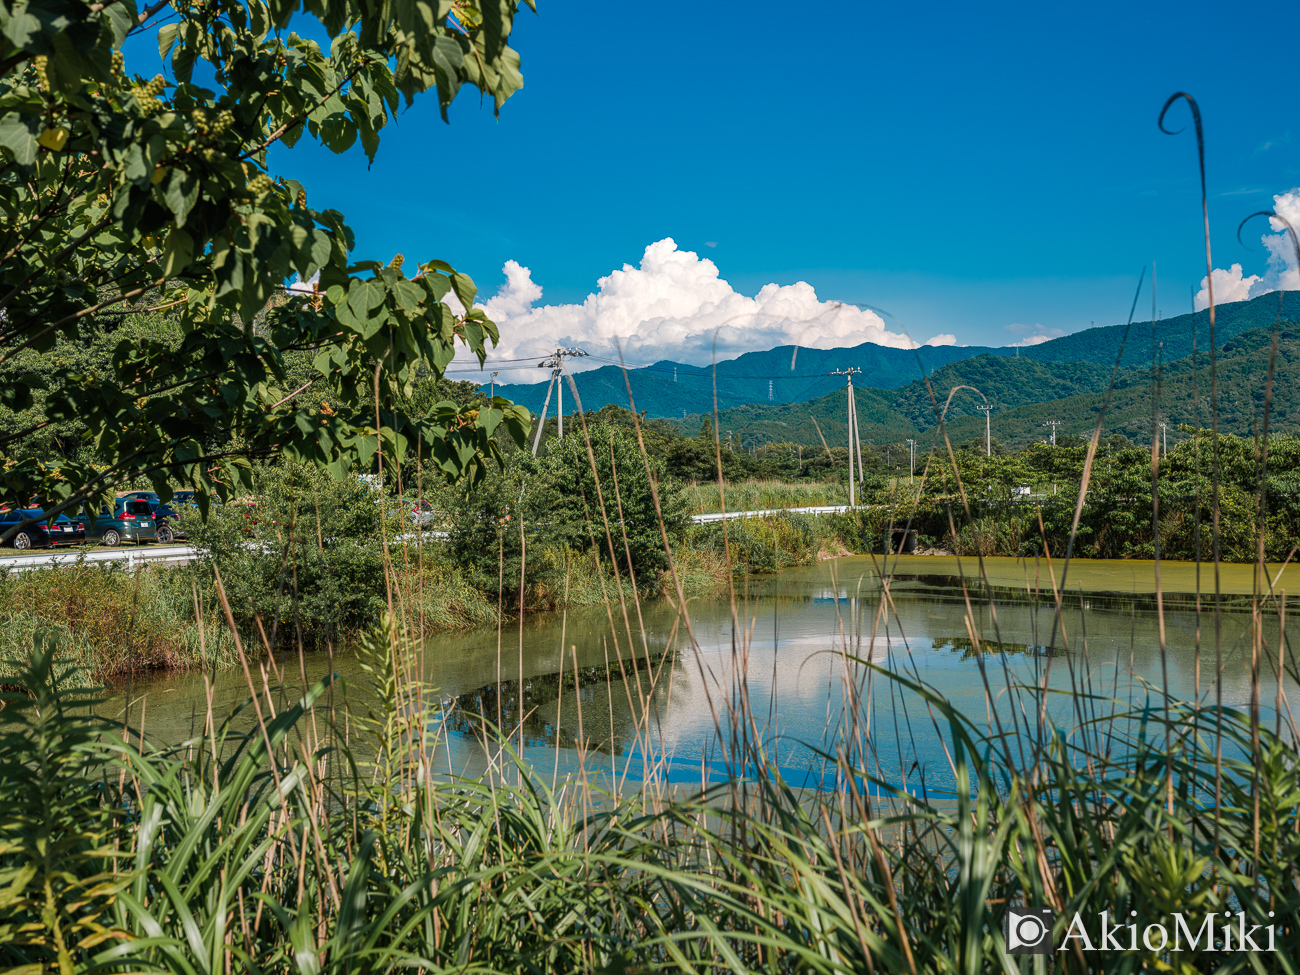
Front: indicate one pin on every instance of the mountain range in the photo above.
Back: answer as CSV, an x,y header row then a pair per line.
x,y
789,374
1063,379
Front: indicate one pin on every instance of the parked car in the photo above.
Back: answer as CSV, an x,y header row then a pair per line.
x,y
37,535
421,513
130,520
169,523
67,530
166,518
64,529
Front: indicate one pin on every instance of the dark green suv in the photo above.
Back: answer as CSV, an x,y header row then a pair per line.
x,y
129,521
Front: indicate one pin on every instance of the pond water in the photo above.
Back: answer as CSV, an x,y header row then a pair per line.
x,y
655,687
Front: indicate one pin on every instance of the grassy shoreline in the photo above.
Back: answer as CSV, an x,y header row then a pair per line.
x,y
113,622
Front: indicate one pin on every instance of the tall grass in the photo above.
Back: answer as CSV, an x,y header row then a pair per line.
x,y
114,622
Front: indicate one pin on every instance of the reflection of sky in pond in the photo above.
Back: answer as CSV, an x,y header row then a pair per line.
x,y
795,651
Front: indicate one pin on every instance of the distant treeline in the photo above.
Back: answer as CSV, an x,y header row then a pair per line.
x,y
1135,507
1025,393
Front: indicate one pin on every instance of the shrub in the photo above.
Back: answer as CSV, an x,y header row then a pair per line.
x,y
302,555
571,503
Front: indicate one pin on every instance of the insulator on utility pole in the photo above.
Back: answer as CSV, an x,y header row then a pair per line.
x,y
555,363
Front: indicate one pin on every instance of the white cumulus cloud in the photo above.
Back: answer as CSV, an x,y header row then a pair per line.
x,y
1035,334
1230,285
1282,272
943,338
673,305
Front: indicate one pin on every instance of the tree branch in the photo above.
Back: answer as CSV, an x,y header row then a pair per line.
x,y
301,117
81,314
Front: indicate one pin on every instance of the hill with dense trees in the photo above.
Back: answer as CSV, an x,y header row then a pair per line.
x,y
1168,338
1027,394
667,388
1074,364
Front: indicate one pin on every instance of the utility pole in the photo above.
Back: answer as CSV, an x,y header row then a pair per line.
x,y
493,390
769,390
911,461
1164,439
854,440
555,363
1053,424
986,409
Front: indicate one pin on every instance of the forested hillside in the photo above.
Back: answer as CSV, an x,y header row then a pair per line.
x,y
1183,397
1027,394
1071,365
1168,338
1005,383
667,388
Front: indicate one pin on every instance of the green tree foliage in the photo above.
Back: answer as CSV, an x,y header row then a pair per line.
x,y
302,554
121,194
1257,490
603,499
1004,381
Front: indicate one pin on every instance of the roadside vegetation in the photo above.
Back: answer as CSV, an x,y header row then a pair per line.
x,y
309,559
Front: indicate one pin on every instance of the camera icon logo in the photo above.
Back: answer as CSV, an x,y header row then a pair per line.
x,y
1030,932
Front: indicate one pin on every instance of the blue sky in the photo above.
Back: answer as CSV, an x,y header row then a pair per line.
x,y
965,167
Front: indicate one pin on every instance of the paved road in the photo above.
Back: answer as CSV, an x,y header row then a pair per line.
x,y
132,555
833,509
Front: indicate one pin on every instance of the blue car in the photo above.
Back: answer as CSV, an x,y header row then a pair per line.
x,y
46,533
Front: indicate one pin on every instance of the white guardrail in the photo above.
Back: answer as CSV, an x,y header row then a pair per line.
x,y
180,554
833,509
132,556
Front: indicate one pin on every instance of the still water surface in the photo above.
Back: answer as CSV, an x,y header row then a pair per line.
x,y
793,645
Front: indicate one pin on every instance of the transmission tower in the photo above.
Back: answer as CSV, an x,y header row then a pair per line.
x,y
1053,424
769,390
986,409
555,363
854,440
